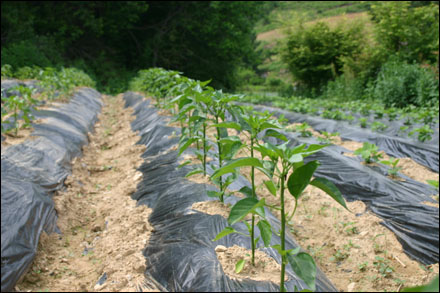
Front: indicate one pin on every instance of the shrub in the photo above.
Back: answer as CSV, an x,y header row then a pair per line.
x,y
313,54
410,33
344,88
40,52
246,76
400,84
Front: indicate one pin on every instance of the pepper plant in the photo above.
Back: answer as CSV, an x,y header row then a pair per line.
x,y
281,161
393,164
23,102
252,123
368,152
328,137
424,133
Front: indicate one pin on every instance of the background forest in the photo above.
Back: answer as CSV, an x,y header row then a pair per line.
x,y
335,49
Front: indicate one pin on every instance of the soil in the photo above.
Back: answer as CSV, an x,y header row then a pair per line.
x,y
265,269
212,207
22,135
103,231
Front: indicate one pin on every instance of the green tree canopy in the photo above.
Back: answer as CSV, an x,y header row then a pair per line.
x,y
115,39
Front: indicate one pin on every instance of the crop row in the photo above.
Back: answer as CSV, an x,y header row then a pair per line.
x,y
415,121
198,107
53,84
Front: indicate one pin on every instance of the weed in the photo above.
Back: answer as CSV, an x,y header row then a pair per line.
x,y
433,183
369,152
378,126
424,133
350,245
383,266
328,137
363,122
393,164
339,255
363,266
378,248
303,129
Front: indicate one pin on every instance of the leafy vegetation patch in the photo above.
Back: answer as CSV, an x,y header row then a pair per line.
x,y
55,84
198,107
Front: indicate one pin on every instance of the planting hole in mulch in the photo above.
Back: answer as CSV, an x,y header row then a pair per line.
x,y
265,269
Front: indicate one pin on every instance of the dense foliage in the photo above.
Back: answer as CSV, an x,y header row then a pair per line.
x,y
113,40
400,84
393,57
314,54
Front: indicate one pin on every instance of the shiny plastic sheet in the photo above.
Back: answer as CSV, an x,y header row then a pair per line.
x,y
398,203
426,154
31,171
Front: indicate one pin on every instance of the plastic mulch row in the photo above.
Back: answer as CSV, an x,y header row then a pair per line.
x,y
32,171
181,253
426,154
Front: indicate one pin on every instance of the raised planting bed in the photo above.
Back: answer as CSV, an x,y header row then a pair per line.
x,y
32,170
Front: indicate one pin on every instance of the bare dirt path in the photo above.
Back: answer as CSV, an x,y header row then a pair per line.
x,y
103,232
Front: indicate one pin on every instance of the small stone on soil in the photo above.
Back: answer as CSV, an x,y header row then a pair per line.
x,y
220,248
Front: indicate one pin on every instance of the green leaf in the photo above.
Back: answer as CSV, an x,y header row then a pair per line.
x,y
247,191
256,241
313,148
211,193
276,134
299,149
260,211
239,266
276,149
241,162
300,178
304,266
278,248
194,172
271,187
224,232
433,183
433,286
184,164
266,125
386,163
265,231
233,125
242,208
186,145
293,251
295,158
266,152
330,189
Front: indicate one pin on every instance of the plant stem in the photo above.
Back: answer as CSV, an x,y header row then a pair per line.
x,y
254,195
15,120
253,169
294,210
252,240
283,228
219,157
204,148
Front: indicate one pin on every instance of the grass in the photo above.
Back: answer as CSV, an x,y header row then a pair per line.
x,y
311,10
